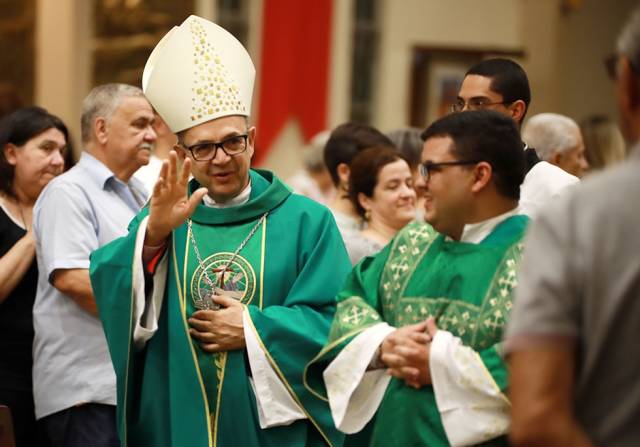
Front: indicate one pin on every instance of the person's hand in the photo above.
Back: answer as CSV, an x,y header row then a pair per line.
x,y
219,330
408,357
415,332
170,206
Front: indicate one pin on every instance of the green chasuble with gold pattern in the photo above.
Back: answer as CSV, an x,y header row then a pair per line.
x,y
467,287
171,392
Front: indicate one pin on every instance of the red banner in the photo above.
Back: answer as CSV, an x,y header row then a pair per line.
x,y
294,69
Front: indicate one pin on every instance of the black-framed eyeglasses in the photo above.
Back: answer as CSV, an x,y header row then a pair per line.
x,y
475,104
428,167
207,150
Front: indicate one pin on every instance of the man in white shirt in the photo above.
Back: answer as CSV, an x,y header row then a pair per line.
x,y
558,140
83,209
502,85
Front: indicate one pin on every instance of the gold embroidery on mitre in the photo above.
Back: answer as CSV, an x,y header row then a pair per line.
x,y
213,87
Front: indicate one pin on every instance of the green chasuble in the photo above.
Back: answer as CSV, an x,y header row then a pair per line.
x,y
170,392
467,287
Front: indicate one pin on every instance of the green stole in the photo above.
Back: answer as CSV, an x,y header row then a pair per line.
x,y
467,287
172,393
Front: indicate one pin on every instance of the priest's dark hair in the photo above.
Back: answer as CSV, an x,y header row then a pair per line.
x,y
485,135
18,128
346,141
507,79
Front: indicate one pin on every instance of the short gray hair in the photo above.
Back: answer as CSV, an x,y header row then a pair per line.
x,y
550,132
629,39
102,101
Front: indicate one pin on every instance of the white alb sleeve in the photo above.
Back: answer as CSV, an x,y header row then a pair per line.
x,y
355,393
472,407
275,405
146,309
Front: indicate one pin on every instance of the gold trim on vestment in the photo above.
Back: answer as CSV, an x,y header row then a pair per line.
x,y
262,256
219,397
282,378
183,303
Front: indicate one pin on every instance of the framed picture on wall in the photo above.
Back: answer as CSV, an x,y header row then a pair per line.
x,y
436,77
17,37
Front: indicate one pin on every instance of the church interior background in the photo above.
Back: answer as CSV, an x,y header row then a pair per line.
x,y
388,63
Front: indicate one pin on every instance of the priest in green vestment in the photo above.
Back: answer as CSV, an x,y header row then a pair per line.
x,y
225,287
414,357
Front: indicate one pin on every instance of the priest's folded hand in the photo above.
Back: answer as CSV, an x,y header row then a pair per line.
x,y
219,330
410,361
407,355
415,332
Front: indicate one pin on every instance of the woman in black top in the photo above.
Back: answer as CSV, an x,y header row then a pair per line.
x,y
33,145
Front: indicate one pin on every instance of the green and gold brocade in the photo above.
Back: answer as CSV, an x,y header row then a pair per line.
x,y
172,393
467,287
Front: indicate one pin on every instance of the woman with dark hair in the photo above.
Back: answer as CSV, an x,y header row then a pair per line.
x,y
33,145
381,190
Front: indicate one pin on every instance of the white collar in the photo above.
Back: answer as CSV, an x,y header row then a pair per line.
x,y
474,233
240,199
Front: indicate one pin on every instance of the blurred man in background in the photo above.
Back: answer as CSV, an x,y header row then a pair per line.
x,y
502,85
557,140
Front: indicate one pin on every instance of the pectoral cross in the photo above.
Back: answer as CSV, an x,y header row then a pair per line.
x,y
222,270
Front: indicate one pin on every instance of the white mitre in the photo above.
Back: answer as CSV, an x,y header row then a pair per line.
x,y
198,72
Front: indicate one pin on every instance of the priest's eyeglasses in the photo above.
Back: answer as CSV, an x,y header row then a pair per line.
x,y
207,150
428,167
476,103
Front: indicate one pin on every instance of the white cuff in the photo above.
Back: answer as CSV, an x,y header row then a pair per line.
x,y
275,405
355,393
146,310
472,407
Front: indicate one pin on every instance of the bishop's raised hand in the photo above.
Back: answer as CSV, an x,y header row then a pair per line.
x,y
170,205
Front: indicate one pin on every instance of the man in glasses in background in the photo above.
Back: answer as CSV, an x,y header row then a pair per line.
x,y
430,308
234,278
502,85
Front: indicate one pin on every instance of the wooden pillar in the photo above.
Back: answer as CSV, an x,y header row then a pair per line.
x,y
63,59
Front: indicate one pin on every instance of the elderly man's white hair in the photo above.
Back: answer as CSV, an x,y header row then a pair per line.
x,y
102,101
549,133
629,39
